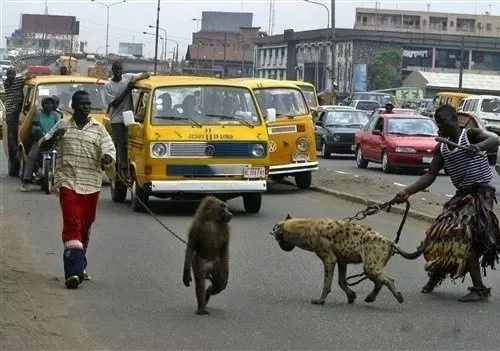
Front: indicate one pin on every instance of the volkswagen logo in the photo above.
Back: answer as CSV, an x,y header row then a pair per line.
x,y
210,150
272,146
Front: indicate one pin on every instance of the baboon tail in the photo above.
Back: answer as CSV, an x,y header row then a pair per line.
x,y
409,255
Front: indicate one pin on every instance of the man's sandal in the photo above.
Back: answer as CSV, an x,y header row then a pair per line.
x,y
476,294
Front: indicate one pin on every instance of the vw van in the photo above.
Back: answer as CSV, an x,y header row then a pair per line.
x,y
292,147
486,108
449,98
195,136
35,89
309,92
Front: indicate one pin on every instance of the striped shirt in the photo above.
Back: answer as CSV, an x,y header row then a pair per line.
x,y
14,96
463,170
79,152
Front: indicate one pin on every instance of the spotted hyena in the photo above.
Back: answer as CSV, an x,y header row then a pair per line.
x,y
342,243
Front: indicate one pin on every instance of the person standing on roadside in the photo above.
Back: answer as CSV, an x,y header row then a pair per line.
x,y
467,228
84,149
119,99
13,102
63,71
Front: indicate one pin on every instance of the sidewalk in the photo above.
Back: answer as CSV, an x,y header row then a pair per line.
x,y
424,205
35,308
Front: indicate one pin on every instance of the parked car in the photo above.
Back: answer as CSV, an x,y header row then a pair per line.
x,y
365,105
399,111
335,130
90,57
426,107
322,108
486,108
396,141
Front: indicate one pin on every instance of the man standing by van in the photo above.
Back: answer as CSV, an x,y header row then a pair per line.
x,y
119,98
13,102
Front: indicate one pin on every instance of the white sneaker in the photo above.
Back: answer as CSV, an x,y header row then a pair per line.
x,y
24,188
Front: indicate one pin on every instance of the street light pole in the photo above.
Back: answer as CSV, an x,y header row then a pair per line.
x,y
164,46
460,75
107,19
157,34
326,8
334,52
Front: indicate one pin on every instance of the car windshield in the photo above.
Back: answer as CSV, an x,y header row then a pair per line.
x,y
346,118
491,105
64,91
382,99
5,63
367,105
311,98
204,105
288,102
412,126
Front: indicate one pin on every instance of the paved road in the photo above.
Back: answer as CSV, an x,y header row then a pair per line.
x,y
347,164
136,299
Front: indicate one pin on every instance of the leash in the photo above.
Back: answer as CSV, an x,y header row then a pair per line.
x,y
126,183
369,211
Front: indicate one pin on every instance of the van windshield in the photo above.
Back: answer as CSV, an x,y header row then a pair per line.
x,y
202,105
382,99
288,102
490,105
311,98
64,91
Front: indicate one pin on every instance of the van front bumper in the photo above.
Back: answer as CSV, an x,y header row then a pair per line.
x,y
209,186
295,167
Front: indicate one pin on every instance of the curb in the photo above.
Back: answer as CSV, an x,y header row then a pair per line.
x,y
361,200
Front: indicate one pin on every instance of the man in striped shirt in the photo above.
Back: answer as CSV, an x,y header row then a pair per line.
x,y
13,102
467,228
84,148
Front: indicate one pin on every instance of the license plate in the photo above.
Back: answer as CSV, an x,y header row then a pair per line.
x,y
426,159
300,158
353,147
251,173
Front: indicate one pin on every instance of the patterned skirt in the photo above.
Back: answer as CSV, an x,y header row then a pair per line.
x,y
466,225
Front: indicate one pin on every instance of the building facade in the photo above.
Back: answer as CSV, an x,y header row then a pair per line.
x,y
484,25
308,54
224,46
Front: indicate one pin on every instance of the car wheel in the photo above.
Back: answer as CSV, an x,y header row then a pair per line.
x,y
325,152
360,161
118,190
139,198
386,167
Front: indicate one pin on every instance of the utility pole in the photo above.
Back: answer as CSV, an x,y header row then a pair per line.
x,y
71,45
224,64
334,52
460,75
157,34
107,20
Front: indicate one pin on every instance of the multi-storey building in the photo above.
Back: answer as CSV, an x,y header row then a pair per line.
x,y
484,25
225,44
307,55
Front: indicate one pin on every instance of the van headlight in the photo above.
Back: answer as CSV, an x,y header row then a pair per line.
x,y
258,150
302,144
158,150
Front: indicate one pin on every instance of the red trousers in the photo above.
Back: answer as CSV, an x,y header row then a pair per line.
x,y
78,212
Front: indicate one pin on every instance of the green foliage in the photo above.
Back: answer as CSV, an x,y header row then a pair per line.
x,y
385,71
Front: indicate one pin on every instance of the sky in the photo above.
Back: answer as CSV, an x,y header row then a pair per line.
x,y
129,20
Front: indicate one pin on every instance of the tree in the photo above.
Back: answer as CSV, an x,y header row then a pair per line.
x,y
385,71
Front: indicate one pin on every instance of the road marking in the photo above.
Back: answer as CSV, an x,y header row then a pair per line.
x,y
448,195
399,184
340,172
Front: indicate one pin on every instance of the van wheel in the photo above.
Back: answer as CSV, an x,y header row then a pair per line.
x,y
118,191
252,202
303,179
139,198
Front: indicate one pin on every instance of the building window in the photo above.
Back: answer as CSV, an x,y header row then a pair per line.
x,y
488,26
358,18
365,20
452,24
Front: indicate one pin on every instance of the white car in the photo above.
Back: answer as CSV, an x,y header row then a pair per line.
x,y
90,57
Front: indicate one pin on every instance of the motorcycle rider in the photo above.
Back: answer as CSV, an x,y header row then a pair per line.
x,y
42,123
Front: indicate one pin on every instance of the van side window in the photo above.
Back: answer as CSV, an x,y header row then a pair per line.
x,y
473,104
141,107
27,91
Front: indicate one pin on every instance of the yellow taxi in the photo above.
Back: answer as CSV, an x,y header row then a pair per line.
x,y
190,137
292,147
36,88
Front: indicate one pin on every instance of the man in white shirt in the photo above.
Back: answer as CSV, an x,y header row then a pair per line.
x,y
119,99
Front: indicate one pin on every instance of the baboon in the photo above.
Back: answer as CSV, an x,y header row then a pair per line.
x,y
208,250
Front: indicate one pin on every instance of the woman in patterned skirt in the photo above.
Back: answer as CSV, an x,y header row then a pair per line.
x,y
465,236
